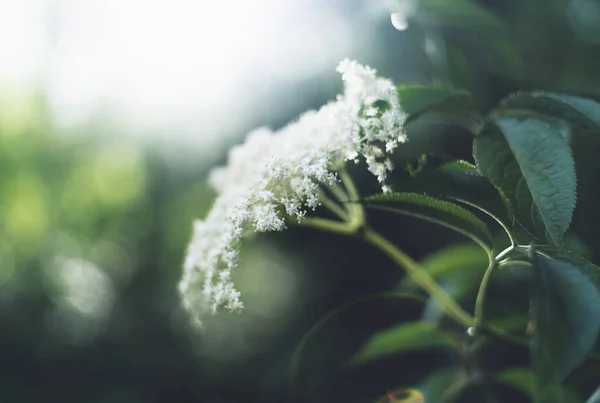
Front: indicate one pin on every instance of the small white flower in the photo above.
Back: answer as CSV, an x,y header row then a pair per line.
x,y
370,111
390,146
312,201
276,172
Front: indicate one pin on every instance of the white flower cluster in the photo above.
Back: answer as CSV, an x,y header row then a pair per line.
x,y
275,175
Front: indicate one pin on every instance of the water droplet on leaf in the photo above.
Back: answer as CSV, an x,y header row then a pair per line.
x,y
399,21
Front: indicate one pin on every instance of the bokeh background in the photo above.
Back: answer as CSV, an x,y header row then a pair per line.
x,y
113,112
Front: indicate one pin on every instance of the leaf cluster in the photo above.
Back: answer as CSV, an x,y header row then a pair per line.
x,y
522,184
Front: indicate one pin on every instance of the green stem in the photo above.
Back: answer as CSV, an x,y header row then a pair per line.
x,y
357,226
425,217
505,252
513,240
413,269
512,248
350,186
340,193
480,301
514,263
511,237
503,334
333,206
335,227
418,275
359,212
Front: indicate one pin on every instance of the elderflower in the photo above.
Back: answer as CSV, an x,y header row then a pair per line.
x,y
276,176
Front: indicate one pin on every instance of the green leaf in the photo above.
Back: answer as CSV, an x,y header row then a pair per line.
x,y
441,385
565,309
428,163
403,338
461,182
462,166
595,398
581,112
557,394
582,264
325,350
457,269
418,98
454,262
523,379
435,210
531,164
516,323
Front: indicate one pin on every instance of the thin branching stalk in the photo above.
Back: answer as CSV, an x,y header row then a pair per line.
x,y
357,226
333,206
480,300
419,276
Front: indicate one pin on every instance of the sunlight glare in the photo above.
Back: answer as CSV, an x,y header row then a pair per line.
x,y
186,68
156,60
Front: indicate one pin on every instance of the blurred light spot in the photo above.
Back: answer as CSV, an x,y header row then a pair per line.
x,y
303,47
190,69
430,46
157,62
118,175
26,213
83,297
77,199
19,112
115,259
7,261
63,243
583,17
22,40
399,21
268,282
82,286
